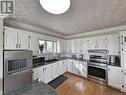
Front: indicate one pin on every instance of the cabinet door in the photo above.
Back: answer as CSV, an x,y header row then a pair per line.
x,y
10,39
78,46
75,67
113,44
70,66
54,71
68,46
64,66
85,45
59,68
38,73
115,77
83,69
102,42
92,43
63,46
73,43
47,73
23,40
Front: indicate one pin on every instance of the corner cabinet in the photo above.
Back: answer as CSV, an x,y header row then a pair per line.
x,y
115,77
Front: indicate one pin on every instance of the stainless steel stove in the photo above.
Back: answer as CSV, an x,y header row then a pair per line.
x,y
97,66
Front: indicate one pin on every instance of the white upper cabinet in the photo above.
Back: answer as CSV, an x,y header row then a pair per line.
x,y
113,44
85,45
78,46
73,47
10,39
15,39
23,40
68,46
63,46
101,42
92,43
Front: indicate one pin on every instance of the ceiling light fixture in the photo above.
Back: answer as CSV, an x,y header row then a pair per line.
x,y
55,6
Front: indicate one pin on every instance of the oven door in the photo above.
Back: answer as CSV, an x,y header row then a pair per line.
x,y
98,74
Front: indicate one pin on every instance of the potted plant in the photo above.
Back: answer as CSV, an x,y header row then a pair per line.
x,y
41,47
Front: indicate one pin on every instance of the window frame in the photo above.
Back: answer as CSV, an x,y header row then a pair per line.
x,y
53,51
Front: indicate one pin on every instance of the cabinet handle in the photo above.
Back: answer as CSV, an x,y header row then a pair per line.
x,y
16,45
19,45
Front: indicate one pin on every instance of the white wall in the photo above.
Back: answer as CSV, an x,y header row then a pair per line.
x,y
1,55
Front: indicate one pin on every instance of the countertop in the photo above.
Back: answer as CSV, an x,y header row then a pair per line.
x,y
34,88
54,61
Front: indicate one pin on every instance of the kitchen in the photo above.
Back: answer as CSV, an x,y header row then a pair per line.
x,y
36,59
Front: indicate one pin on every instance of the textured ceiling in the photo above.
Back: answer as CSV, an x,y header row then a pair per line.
x,y
83,16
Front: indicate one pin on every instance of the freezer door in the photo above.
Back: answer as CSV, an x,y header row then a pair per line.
x,y
17,79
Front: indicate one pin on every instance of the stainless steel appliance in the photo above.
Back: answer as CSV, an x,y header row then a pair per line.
x,y
114,60
17,68
97,66
38,61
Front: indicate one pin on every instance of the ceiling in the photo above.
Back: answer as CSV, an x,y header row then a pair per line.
x,y
83,16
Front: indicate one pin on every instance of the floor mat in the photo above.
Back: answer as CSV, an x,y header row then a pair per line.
x,y
58,81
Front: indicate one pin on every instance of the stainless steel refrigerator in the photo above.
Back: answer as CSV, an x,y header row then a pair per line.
x,y
17,68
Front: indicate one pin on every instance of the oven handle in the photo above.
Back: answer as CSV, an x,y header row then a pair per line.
x,y
20,72
105,68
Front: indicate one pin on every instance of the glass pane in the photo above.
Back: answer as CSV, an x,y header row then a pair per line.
x,y
55,46
49,46
42,42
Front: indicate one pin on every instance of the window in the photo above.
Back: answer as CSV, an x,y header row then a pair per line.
x,y
49,46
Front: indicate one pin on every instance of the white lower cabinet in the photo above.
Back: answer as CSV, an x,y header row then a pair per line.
x,y
54,69
82,69
115,77
75,67
38,73
70,66
49,72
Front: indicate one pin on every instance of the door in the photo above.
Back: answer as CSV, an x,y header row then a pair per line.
x,y
59,68
47,73
85,46
92,43
23,40
102,42
38,73
10,39
68,46
75,67
113,44
115,77
83,69
70,66
78,46
73,43
53,71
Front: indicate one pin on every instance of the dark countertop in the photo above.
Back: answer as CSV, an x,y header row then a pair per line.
x,y
34,88
54,61
115,65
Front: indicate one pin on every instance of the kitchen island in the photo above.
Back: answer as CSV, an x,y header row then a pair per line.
x,y
34,88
